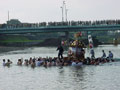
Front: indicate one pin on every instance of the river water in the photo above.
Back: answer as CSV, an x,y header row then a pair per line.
x,y
101,77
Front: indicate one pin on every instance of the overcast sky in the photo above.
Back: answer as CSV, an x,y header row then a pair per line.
x,y
49,10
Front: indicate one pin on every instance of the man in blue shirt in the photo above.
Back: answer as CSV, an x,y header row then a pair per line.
x,y
110,56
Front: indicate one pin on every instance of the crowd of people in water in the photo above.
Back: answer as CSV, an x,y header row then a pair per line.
x,y
62,61
64,23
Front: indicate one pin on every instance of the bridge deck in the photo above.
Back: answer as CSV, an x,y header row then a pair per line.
x,y
59,29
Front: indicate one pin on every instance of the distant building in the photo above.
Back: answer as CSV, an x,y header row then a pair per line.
x,y
13,22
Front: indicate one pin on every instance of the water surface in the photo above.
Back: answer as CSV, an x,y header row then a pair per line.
x,y
101,77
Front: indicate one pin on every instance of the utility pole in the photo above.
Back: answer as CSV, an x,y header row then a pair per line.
x,y
66,10
8,15
8,20
63,10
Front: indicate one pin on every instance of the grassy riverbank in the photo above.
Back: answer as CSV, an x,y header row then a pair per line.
x,y
9,39
22,41
49,40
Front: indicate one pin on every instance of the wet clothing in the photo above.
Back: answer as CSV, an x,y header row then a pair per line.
x,y
60,53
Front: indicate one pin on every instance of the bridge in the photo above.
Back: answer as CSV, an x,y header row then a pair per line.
x,y
60,29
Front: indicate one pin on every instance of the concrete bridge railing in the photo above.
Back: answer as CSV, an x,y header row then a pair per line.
x,y
59,29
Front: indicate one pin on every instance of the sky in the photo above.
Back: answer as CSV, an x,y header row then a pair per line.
x,y
34,11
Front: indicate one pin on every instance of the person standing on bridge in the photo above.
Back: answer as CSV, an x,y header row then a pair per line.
x,y
60,53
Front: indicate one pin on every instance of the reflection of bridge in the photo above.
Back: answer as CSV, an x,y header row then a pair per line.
x,y
60,29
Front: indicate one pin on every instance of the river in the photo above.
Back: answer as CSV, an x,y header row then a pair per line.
x,y
101,77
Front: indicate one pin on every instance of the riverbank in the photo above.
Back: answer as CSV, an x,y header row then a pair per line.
x,y
41,41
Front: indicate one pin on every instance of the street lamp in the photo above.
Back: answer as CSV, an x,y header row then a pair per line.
x,y
62,14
